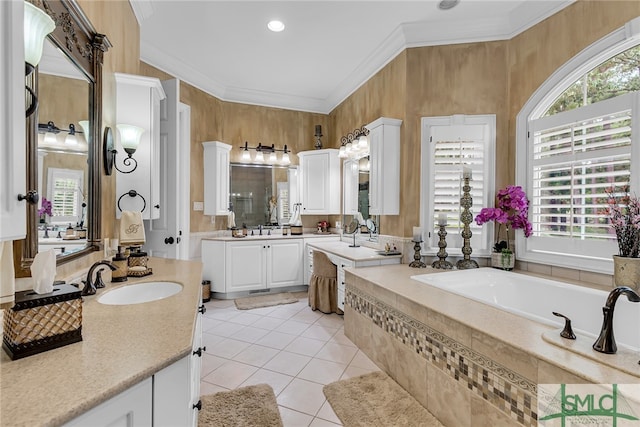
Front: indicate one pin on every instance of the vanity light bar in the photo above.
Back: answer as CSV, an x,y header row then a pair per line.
x,y
355,144
262,149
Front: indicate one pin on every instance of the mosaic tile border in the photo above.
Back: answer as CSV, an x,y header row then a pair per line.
x,y
512,393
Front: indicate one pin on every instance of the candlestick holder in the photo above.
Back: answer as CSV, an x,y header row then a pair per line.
x,y
442,263
318,144
466,201
417,258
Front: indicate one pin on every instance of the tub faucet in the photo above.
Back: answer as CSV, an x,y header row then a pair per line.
x,y
606,342
89,284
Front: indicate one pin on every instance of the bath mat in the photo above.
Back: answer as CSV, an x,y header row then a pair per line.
x,y
252,406
267,300
376,400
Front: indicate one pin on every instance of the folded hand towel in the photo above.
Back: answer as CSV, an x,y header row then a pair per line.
x,y
131,228
7,279
231,219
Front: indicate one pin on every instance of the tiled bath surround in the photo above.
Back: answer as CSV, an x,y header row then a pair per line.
x,y
510,392
443,349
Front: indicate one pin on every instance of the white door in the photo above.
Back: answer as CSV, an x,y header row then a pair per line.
x,y
162,234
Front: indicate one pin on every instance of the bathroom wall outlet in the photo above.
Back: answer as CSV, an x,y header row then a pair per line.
x,y
198,206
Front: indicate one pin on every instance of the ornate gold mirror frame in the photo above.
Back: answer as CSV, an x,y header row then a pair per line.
x,y
76,37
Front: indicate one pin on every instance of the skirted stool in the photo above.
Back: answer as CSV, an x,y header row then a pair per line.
x,y
323,285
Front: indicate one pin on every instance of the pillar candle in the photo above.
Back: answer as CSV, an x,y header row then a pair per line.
x,y
442,219
466,172
318,129
417,234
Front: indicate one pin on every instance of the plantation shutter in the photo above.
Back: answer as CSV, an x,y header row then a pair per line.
x,y
64,189
575,156
451,146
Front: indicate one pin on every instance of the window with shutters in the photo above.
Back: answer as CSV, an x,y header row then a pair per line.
x,y
64,187
448,145
581,139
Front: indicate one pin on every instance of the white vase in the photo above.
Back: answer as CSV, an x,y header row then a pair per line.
x,y
626,271
503,260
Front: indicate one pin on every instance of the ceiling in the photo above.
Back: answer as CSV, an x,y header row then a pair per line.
x,y
327,50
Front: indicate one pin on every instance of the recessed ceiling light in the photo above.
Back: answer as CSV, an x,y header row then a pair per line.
x,y
448,4
275,26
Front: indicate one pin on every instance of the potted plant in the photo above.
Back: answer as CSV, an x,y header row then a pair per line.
x,y
512,209
623,212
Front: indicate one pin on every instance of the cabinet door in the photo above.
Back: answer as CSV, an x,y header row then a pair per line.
x,y
131,408
320,182
214,264
384,175
216,177
246,265
172,394
12,148
285,263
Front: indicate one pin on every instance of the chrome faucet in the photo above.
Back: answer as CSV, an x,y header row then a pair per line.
x,y
606,342
89,284
260,229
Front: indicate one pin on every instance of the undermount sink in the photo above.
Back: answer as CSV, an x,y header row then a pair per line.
x,y
140,292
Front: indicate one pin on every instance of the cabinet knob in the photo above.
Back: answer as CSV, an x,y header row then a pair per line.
x,y
198,405
199,351
202,309
31,197
156,206
169,241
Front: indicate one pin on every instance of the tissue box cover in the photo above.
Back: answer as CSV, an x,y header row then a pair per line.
x,y
38,323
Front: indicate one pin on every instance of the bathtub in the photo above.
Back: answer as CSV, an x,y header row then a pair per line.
x,y
536,298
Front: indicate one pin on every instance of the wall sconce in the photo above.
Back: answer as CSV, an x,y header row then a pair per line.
x,y
50,131
355,144
37,24
129,139
260,152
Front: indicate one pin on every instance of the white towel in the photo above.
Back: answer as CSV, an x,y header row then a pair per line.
x,y
231,219
7,273
131,228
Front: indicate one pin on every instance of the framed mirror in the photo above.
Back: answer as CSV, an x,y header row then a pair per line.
x,y
261,194
356,195
74,43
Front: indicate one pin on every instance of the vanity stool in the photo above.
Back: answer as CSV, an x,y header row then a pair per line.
x,y
323,285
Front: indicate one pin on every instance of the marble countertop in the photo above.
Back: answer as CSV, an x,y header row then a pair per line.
x,y
361,253
392,281
122,345
274,235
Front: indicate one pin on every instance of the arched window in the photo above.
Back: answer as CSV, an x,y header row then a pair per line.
x,y
576,137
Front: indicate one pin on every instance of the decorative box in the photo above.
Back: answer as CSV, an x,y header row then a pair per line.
x,y
38,323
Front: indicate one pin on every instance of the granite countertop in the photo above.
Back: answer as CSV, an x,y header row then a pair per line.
x,y
361,253
391,281
274,235
122,345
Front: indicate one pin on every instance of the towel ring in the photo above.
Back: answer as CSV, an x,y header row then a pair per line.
x,y
132,193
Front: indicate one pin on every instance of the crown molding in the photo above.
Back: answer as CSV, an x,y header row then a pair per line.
x,y
142,9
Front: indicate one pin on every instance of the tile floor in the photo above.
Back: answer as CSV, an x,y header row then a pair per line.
x,y
290,347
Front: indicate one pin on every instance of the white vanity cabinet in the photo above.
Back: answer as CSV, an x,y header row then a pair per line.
x,y
12,129
384,174
176,388
252,264
138,103
216,177
320,170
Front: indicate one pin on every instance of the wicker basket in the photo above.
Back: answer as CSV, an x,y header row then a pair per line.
x,y
38,323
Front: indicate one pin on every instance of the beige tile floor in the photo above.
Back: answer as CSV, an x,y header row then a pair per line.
x,y
290,347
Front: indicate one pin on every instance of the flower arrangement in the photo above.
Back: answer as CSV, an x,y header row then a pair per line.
x,y
623,211
511,210
45,210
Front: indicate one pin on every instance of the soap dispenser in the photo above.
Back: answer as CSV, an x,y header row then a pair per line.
x,y
121,261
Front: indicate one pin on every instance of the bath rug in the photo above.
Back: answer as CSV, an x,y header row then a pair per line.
x,y
252,406
266,300
375,400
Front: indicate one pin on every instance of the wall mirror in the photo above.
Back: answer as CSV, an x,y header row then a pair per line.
x,y
262,194
356,195
68,84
